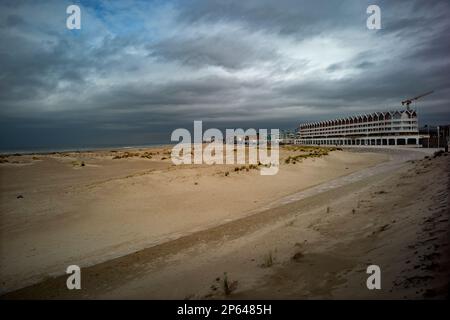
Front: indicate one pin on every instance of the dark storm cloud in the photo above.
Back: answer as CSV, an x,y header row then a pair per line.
x,y
289,17
139,67
223,50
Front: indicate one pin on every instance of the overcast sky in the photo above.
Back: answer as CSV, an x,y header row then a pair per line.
x,y
138,69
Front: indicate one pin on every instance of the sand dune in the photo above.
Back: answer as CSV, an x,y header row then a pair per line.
x,y
141,228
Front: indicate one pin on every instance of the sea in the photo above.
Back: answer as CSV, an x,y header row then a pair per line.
x,y
46,150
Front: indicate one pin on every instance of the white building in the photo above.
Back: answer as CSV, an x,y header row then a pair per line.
x,y
378,128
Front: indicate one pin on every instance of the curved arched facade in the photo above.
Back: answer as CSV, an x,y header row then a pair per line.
x,y
378,128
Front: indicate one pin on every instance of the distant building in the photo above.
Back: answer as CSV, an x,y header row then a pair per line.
x,y
378,128
245,139
287,137
436,136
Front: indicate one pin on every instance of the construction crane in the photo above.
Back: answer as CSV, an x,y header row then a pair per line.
x,y
408,101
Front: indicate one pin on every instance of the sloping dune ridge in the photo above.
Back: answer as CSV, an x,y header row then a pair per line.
x,y
141,227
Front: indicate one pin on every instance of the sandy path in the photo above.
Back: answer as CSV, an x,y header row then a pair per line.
x,y
320,246
397,159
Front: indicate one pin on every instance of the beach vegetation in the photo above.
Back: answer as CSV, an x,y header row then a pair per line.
x,y
297,256
228,286
268,260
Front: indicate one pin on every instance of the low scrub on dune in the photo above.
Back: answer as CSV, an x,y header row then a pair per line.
x,y
126,155
78,163
145,155
309,152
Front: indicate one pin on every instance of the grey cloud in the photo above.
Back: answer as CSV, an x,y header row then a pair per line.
x,y
38,62
225,50
290,17
14,20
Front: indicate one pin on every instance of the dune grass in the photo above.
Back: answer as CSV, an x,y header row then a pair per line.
x,y
308,152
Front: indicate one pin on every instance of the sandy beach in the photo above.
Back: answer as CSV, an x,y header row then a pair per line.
x,y
141,227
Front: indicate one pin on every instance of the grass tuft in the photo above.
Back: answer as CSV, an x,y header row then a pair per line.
x,y
228,286
268,260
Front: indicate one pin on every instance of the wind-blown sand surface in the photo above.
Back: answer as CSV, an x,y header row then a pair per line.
x,y
143,228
